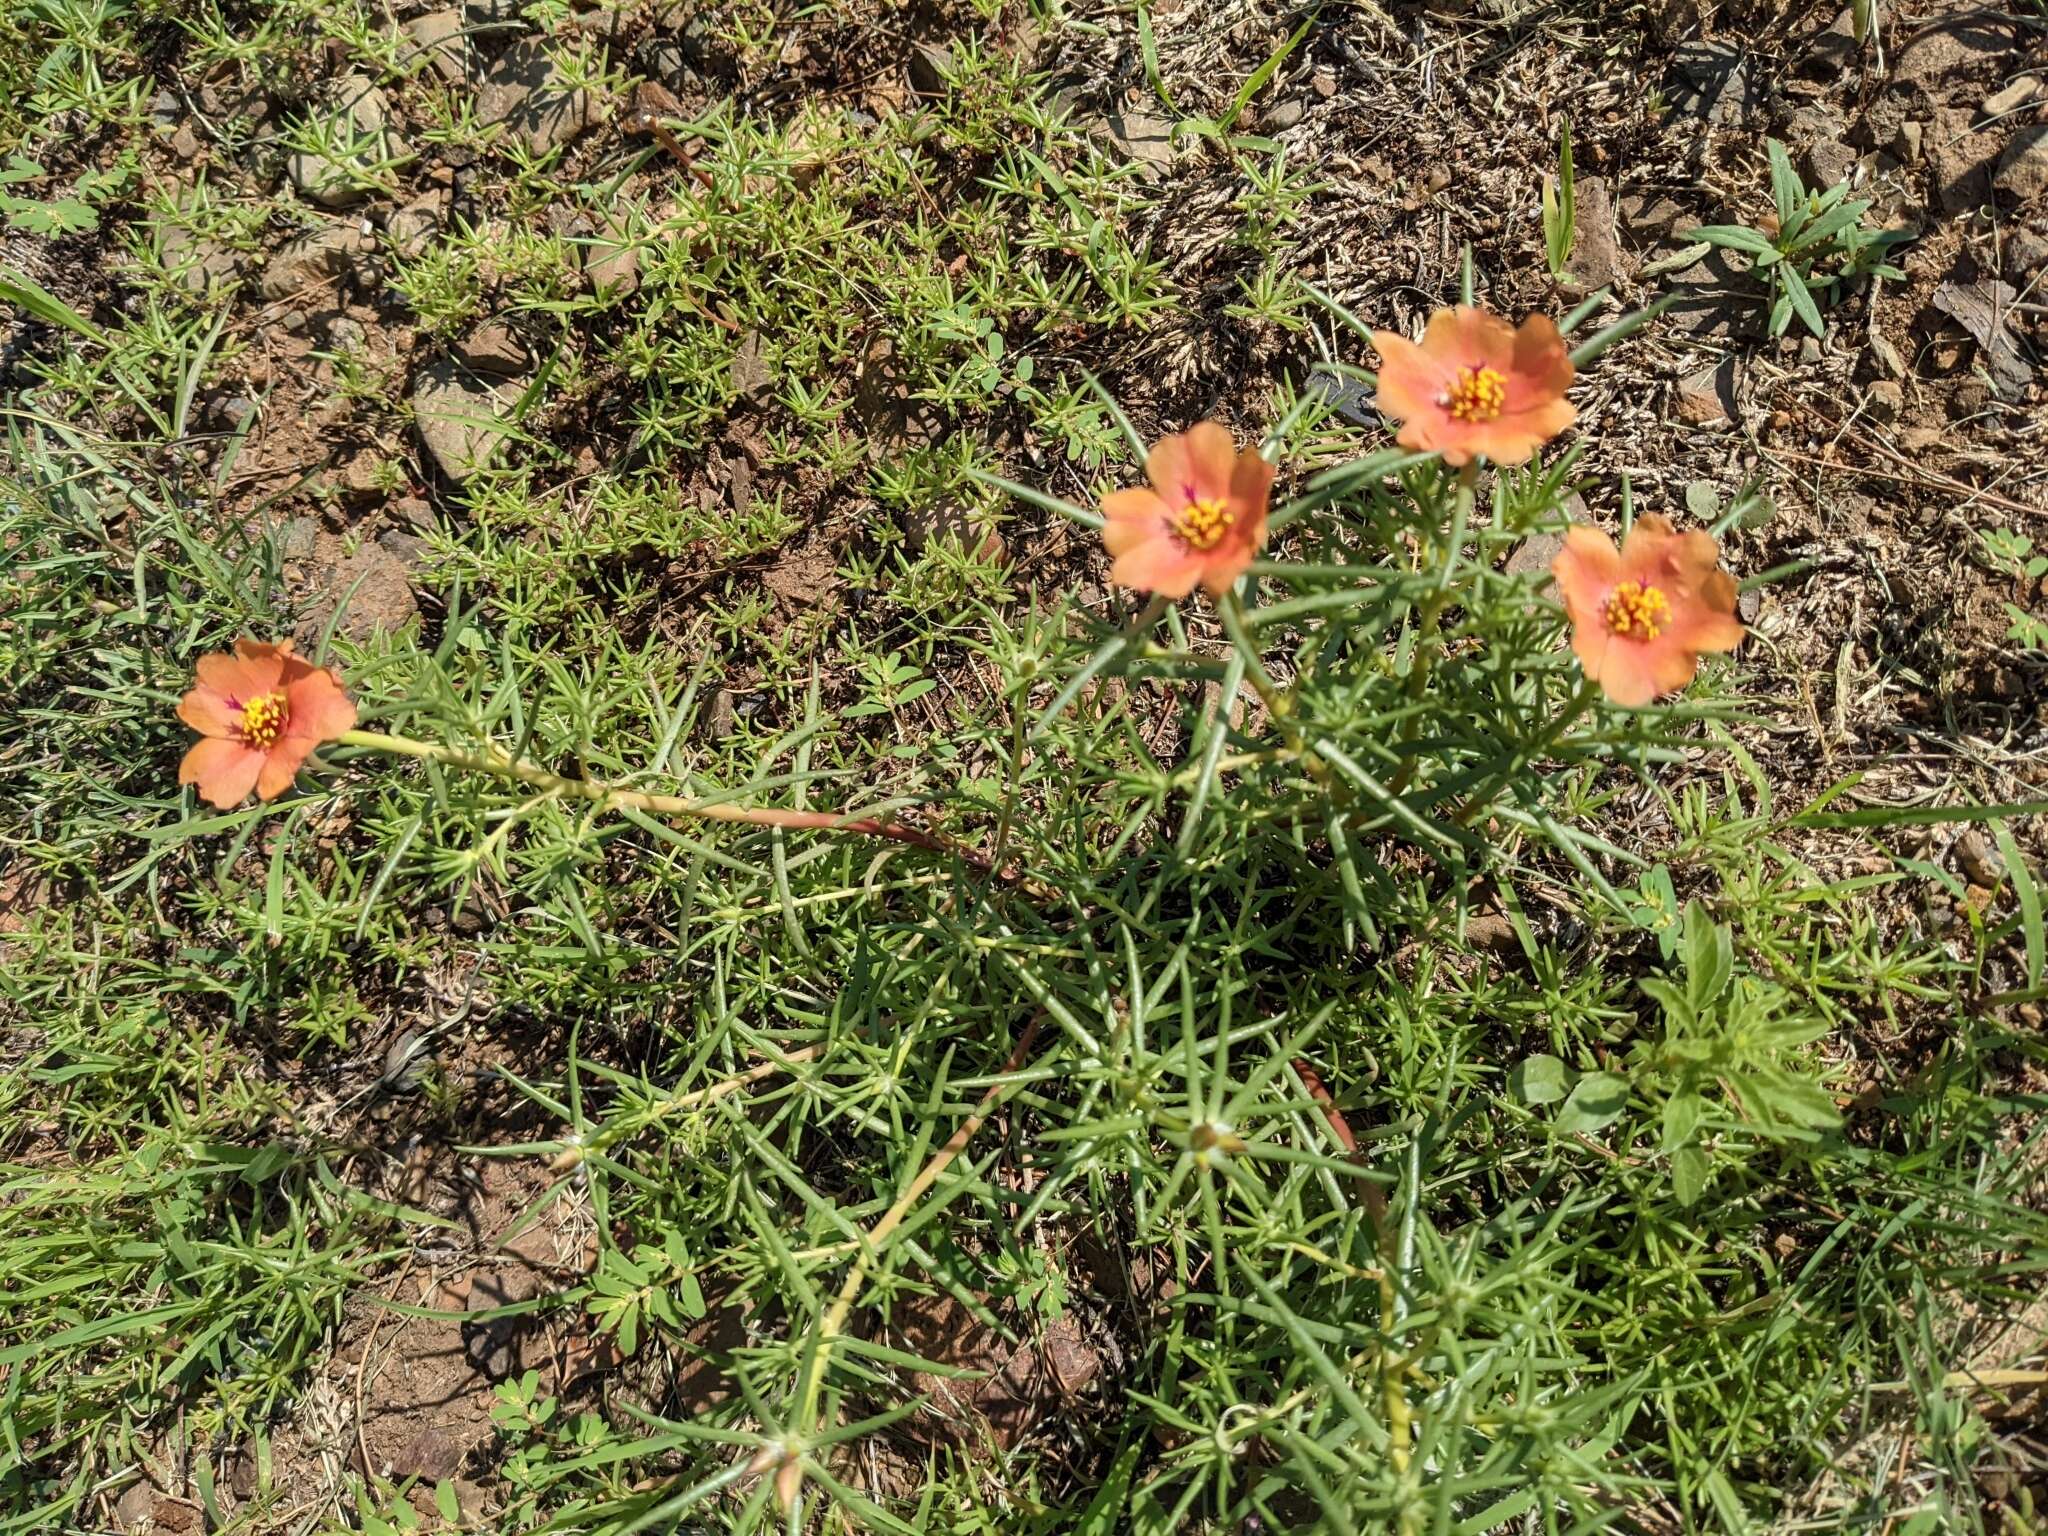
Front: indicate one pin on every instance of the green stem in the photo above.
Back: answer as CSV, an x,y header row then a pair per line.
x,y
1232,615
1428,616
1483,799
611,797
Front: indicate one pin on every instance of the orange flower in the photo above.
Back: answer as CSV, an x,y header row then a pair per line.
x,y
1642,614
1201,521
259,713
1476,386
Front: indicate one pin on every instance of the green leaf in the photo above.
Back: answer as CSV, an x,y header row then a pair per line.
x,y
1787,191
1682,1114
2028,894
47,307
1689,1169
1791,1102
1802,299
1598,1100
64,216
1105,1512
446,1502
1258,77
1538,1080
1709,958
1734,237
1675,1001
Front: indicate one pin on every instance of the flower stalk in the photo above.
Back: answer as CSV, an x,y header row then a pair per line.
x,y
613,797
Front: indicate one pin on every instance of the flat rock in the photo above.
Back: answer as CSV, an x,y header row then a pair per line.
x,y
493,348
2026,254
461,417
1979,862
929,66
1707,398
1950,49
358,144
1718,298
492,1344
409,228
1819,135
2012,98
751,379
1711,81
334,251
1833,52
610,260
1144,138
1886,356
360,594
526,92
2023,168
136,1508
195,263
1533,555
1960,162
1349,398
436,41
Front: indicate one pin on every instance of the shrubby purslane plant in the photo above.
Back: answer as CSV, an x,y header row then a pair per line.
x,y
1408,691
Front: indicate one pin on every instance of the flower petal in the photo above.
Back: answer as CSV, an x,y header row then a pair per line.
x,y
1671,666
1586,570
1222,566
317,708
225,771
1192,465
209,712
1130,517
1168,467
253,671
1251,493
1212,459
1162,564
281,765
1541,365
1646,547
1469,337
1622,668
1411,381
1707,622
1514,437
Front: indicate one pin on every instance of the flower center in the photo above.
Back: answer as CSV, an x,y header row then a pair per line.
x,y
263,720
1637,612
1202,522
1476,394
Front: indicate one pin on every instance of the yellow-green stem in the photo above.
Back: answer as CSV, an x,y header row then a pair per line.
x,y
611,797
1428,637
849,1291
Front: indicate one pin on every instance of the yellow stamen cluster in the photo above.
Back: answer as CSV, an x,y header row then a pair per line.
x,y
1637,612
1476,395
263,719
1201,524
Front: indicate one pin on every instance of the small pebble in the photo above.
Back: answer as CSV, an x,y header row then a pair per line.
x,y
1977,860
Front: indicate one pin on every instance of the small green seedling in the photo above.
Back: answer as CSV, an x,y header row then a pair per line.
x,y
1560,206
2012,554
1821,245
